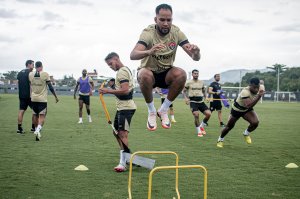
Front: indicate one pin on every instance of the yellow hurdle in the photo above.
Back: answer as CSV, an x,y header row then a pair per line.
x,y
178,167
151,152
165,168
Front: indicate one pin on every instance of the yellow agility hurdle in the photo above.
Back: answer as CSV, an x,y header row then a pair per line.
x,y
178,167
152,152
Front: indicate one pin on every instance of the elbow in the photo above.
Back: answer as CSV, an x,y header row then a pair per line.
x,y
132,57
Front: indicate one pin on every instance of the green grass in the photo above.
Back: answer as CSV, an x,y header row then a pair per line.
x,y
45,169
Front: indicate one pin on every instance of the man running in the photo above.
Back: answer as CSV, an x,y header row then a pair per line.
x,y
194,95
243,107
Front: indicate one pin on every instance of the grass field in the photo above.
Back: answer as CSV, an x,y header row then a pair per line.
x,y
45,169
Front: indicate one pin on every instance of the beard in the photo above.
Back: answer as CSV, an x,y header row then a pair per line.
x,y
163,31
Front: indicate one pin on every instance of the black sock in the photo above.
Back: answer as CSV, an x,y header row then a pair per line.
x,y
19,126
221,123
33,126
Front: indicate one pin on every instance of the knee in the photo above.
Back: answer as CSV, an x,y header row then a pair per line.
x,y
255,123
177,76
196,115
145,77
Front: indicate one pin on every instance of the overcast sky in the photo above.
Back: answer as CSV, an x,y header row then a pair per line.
x,y
69,35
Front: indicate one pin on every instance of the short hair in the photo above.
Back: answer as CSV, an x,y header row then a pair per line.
x,y
38,64
28,62
195,70
254,81
163,6
216,75
112,80
111,55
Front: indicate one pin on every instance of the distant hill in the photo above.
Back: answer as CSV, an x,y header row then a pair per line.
x,y
233,76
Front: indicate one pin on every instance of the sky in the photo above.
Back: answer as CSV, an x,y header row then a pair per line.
x,y
71,35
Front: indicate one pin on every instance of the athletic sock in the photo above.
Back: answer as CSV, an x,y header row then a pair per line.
x,y
172,117
151,107
19,126
32,126
165,106
197,129
80,119
38,128
220,139
246,132
221,123
202,124
122,158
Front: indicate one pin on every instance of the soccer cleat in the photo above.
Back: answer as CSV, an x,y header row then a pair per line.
x,y
90,119
80,122
248,139
202,130
120,168
165,122
37,136
173,120
200,134
220,144
222,125
32,130
151,122
20,131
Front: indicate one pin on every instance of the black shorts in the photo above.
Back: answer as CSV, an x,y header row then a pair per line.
x,y
123,120
238,114
198,106
160,79
85,99
24,103
215,105
162,101
39,108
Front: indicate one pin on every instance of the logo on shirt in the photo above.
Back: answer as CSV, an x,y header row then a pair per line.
x,y
172,45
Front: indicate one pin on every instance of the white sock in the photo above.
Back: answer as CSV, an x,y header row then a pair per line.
x,y
38,128
89,116
172,117
220,139
122,158
246,132
202,124
165,106
80,119
198,129
151,107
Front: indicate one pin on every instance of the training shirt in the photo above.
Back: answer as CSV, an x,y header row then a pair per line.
x,y
195,90
124,102
238,104
84,85
23,83
38,82
215,88
163,59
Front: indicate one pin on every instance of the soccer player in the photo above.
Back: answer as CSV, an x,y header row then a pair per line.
x,y
163,92
39,80
86,85
24,95
194,95
156,48
243,107
125,105
216,104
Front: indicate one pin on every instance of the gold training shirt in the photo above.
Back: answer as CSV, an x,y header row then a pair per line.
x,y
125,102
163,59
38,82
239,105
195,90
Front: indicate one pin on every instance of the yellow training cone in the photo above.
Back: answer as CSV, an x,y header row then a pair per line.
x,y
81,168
291,166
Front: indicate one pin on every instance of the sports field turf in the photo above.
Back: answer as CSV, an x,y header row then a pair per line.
x,y
45,169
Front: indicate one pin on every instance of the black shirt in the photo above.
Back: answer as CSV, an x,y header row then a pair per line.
x,y
215,88
23,83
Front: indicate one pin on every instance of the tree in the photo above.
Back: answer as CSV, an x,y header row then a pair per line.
x,y
279,68
11,75
67,81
